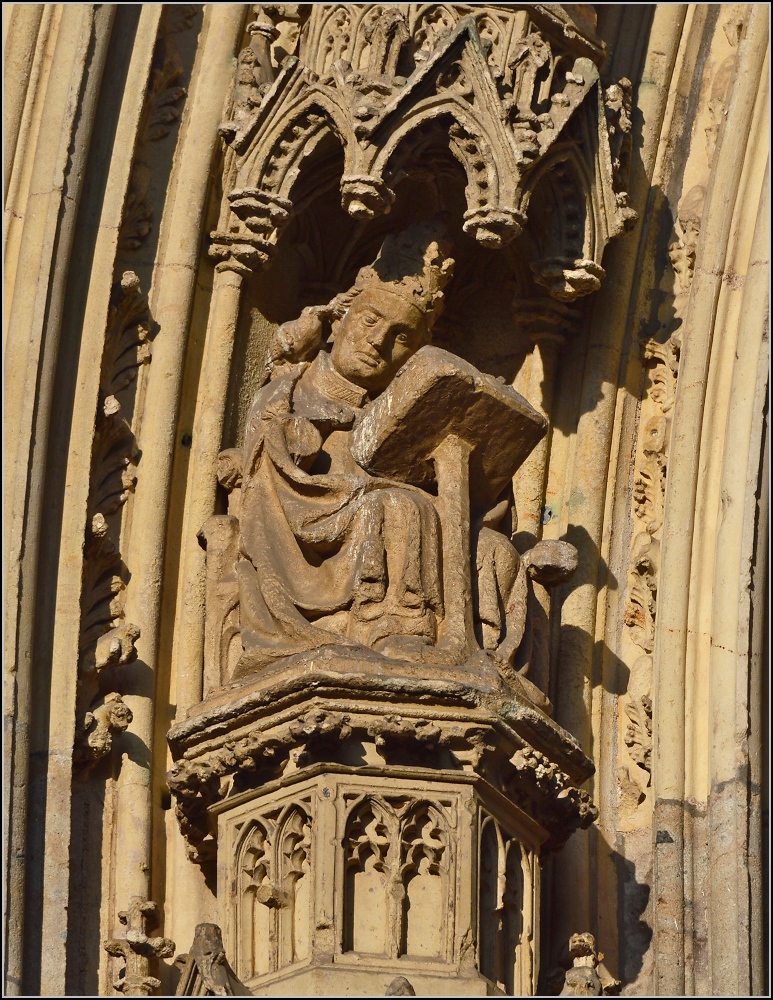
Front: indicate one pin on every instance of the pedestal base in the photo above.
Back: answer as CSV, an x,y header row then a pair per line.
x,y
367,827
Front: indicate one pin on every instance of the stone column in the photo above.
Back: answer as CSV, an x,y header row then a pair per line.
x,y
549,323
205,446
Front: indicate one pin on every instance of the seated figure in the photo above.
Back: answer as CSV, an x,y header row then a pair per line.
x,y
328,553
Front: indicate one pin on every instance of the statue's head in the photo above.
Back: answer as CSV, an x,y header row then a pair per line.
x,y
393,306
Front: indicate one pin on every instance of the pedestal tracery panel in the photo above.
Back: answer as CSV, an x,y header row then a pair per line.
x,y
410,882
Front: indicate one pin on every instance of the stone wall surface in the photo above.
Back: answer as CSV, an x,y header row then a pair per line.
x,y
385,499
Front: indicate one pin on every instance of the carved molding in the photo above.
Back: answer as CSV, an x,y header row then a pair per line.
x,y
106,640
551,788
200,780
661,356
649,491
162,108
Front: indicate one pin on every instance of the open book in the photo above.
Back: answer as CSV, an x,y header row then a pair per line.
x,y
436,394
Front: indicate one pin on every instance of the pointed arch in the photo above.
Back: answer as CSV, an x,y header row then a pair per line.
x,y
368,843
274,163
423,873
293,872
254,869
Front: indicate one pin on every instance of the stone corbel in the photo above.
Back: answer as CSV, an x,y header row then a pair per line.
x,y
258,218
567,279
365,197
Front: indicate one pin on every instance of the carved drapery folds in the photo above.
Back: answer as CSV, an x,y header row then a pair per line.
x,y
371,769
513,90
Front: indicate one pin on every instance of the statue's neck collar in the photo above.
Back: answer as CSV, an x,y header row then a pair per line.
x,y
332,384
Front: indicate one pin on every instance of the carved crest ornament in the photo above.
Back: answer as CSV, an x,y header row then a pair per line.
x,y
373,771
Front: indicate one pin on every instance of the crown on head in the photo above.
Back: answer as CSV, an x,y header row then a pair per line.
x,y
414,264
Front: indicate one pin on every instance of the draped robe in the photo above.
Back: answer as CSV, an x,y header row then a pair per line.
x,y
329,555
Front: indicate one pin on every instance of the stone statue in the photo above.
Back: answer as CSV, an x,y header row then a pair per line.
x,y
343,541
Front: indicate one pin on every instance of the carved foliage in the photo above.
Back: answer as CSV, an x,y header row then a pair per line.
x,y
528,777
138,950
661,357
105,639
638,709
682,251
649,491
98,728
199,782
565,807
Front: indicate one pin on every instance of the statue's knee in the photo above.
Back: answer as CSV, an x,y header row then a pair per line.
x,y
491,542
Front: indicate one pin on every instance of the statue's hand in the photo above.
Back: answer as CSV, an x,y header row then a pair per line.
x,y
300,339
301,439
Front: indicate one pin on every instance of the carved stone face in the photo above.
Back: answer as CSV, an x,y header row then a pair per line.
x,y
376,337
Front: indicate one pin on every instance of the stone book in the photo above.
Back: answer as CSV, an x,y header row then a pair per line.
x,y
436,394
